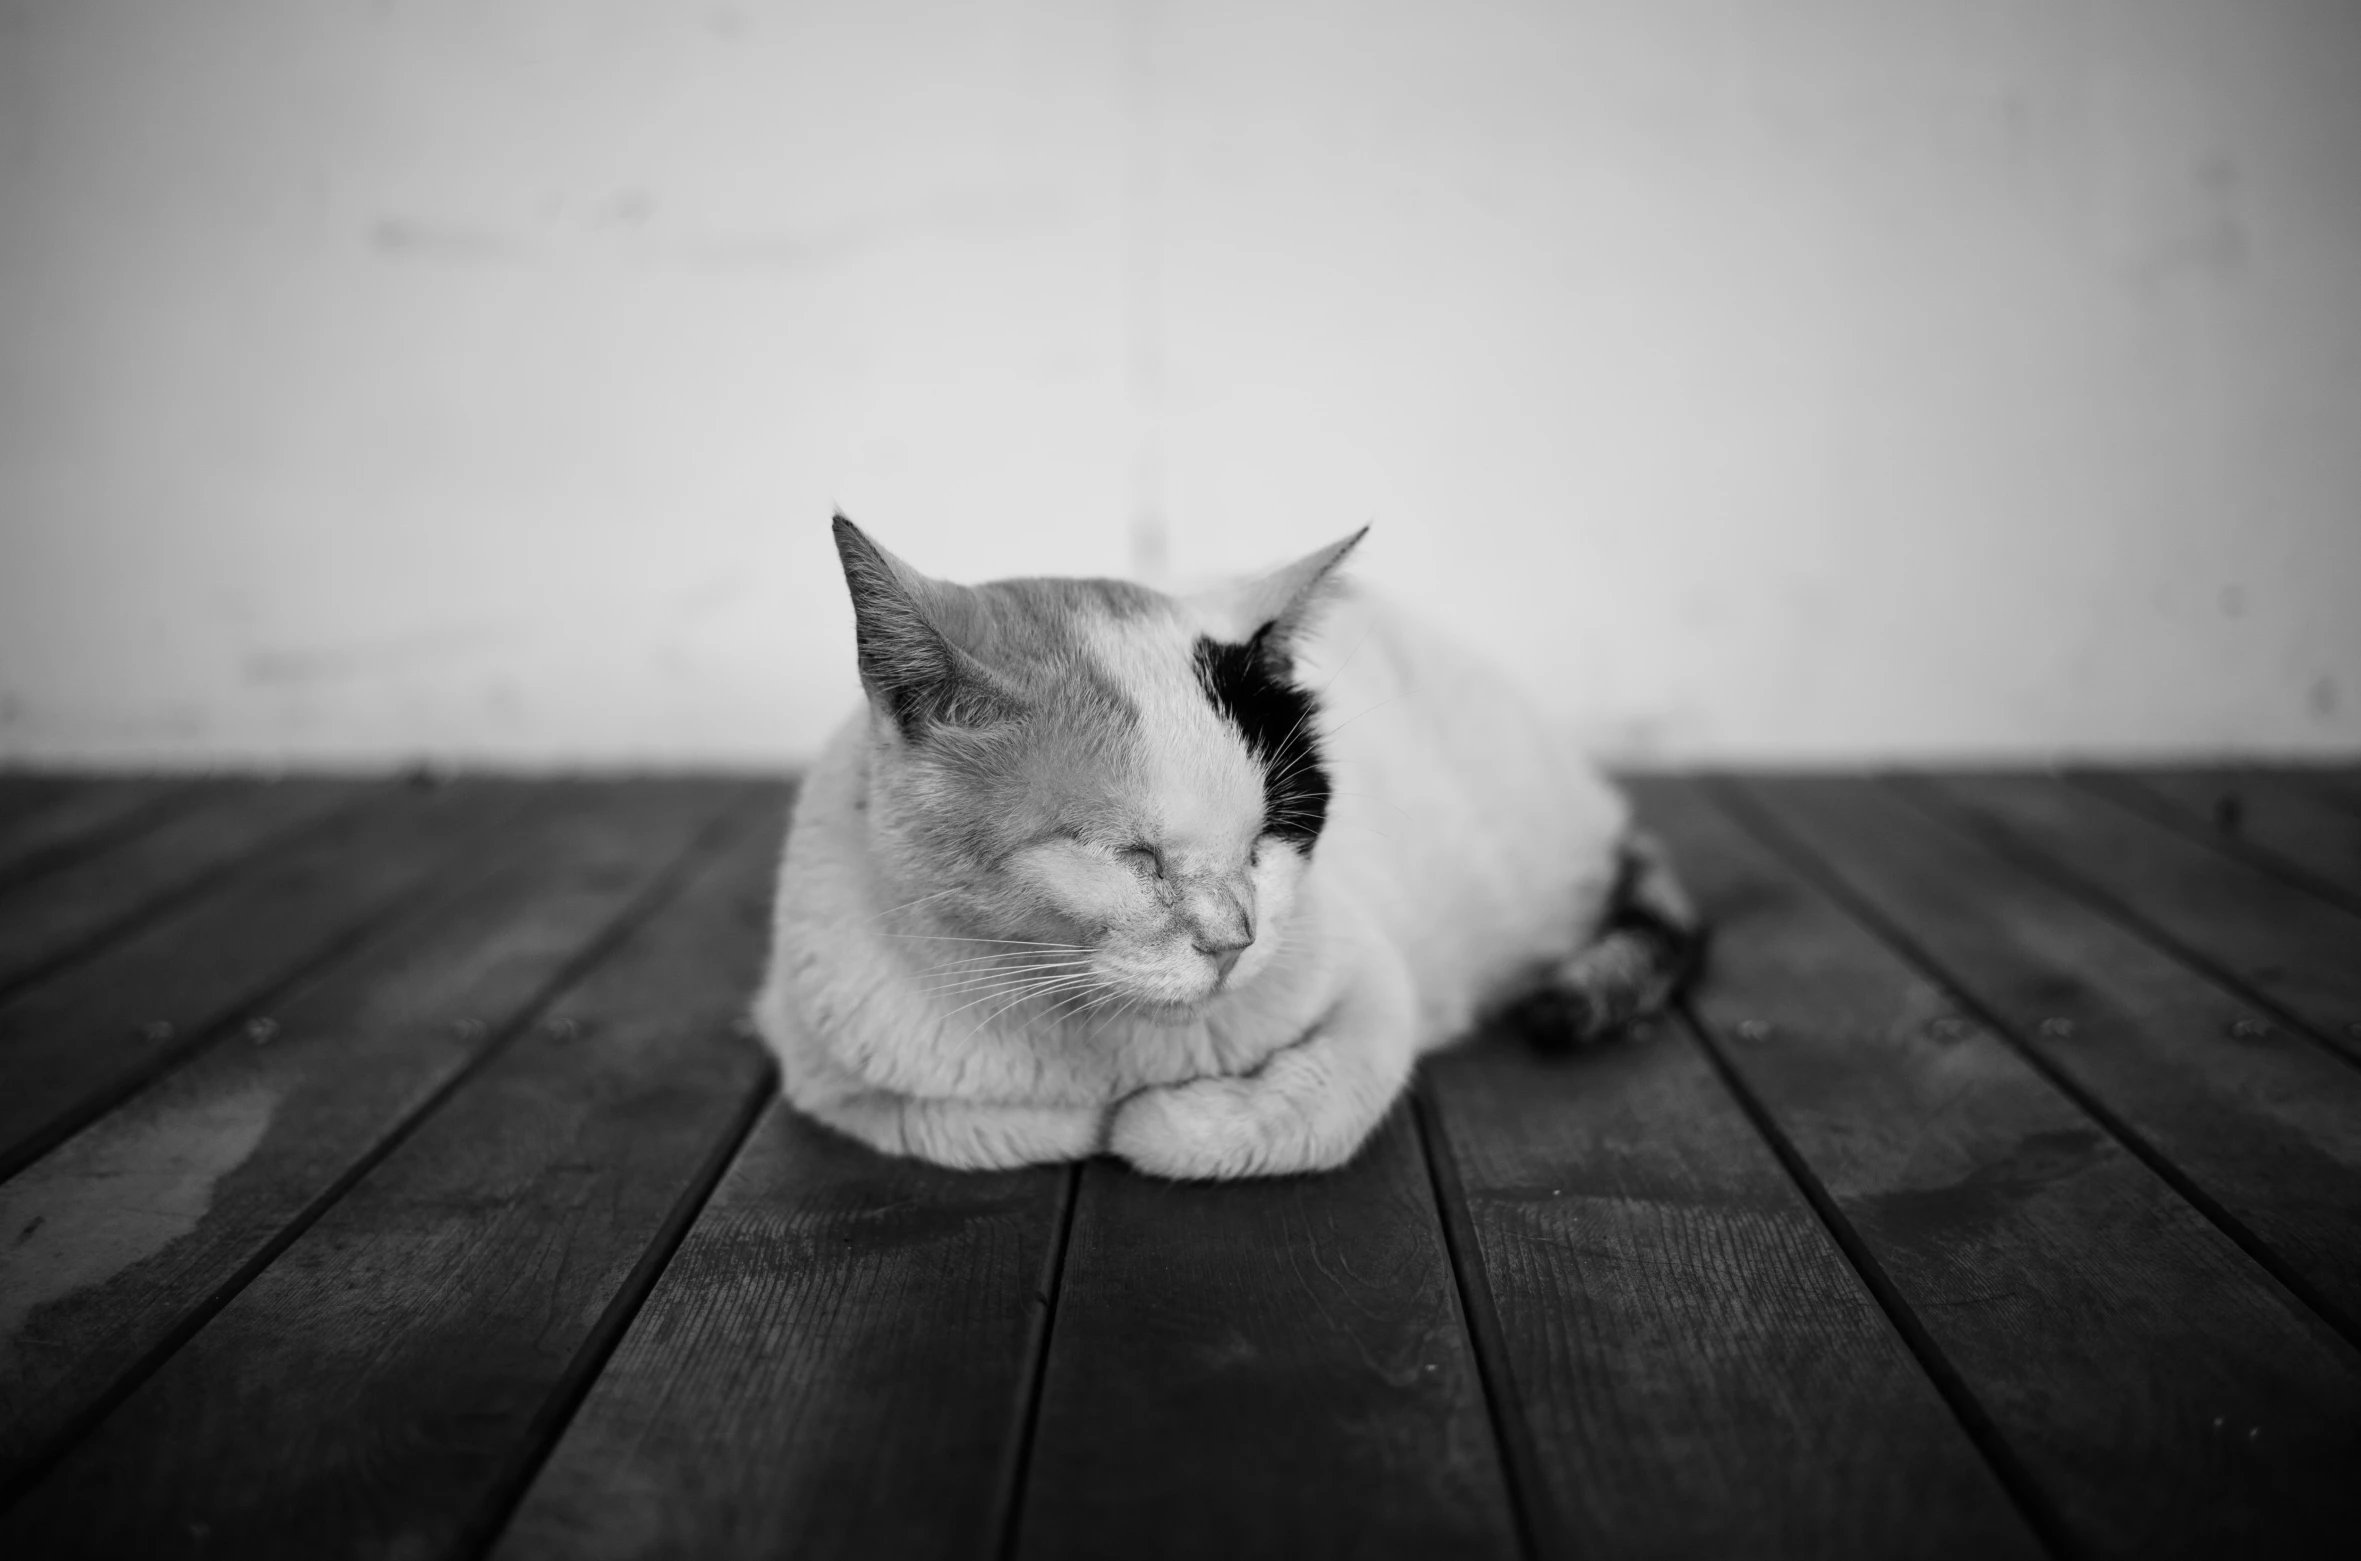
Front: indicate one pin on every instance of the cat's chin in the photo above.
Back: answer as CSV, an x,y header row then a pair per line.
x,y
1175,1010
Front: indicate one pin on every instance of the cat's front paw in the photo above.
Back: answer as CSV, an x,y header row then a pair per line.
x,y
1215,1129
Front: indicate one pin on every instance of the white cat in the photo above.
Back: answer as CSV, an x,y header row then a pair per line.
x,y
1192,882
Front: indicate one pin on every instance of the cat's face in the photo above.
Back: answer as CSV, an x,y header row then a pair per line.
x,y
1115,793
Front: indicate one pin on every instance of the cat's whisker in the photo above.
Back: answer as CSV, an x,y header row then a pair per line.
x,y
1033,991
1122,1013
1015,962
1018,1002
1310,756
1007,983
1312,706
1002,961
921,900
1028,943
981,993
1348,660
1089,997
1003,972
956,988
1356,715
1371,796
1311,709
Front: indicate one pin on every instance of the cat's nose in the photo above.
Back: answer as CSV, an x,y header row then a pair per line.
x,y
1224,958
1222,928
1220,919
1225,947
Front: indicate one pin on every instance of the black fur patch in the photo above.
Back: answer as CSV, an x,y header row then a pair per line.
x,y
1676,947
1254,686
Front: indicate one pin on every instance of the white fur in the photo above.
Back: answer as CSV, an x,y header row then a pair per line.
x,y
1469,848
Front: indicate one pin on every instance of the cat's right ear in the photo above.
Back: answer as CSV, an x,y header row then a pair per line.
x,y
912,671
1275,609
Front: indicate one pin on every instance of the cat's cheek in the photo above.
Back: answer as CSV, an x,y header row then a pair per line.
x,y
1165,969
1278,875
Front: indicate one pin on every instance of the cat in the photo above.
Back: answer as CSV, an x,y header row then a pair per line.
x,y
1189,881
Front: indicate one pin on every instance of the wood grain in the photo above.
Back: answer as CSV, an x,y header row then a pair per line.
x,y
2285,946
834,1364
1268,1368
1678,1322
231,1155
2144,1386
72,912
388,1383
74,1045
2262,1123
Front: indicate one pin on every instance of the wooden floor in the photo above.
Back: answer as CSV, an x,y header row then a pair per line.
x,y
388,1173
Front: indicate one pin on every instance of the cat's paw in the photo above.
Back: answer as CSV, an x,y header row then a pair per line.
x,y
1216,1129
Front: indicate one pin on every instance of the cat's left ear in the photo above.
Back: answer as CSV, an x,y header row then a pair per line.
x,y
1281,605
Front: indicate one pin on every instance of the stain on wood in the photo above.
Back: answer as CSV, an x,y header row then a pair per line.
x,y
83,1040
384,1385
176,1219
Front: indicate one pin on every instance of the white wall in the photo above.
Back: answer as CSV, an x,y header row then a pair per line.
x,y
1794,378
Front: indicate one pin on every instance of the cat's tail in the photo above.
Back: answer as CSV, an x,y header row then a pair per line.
x,y
1649,946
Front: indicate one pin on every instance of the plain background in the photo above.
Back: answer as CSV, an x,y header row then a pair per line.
x,y
471,380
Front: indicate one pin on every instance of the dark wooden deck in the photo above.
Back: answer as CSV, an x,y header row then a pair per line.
x,y
387,1174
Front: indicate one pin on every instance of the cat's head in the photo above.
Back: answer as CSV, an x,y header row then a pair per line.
x,y
1114,789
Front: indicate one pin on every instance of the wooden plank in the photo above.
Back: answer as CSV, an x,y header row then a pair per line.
x,y
1274,1367
2239,923
2141,1384
233,1154
834,1364
71,912
85,816
2268,818
1678,1321
2263,1125
74,1045
388,1383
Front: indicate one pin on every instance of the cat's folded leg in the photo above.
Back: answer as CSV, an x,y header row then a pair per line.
x,y
970,1135
1308,1108
965,1134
